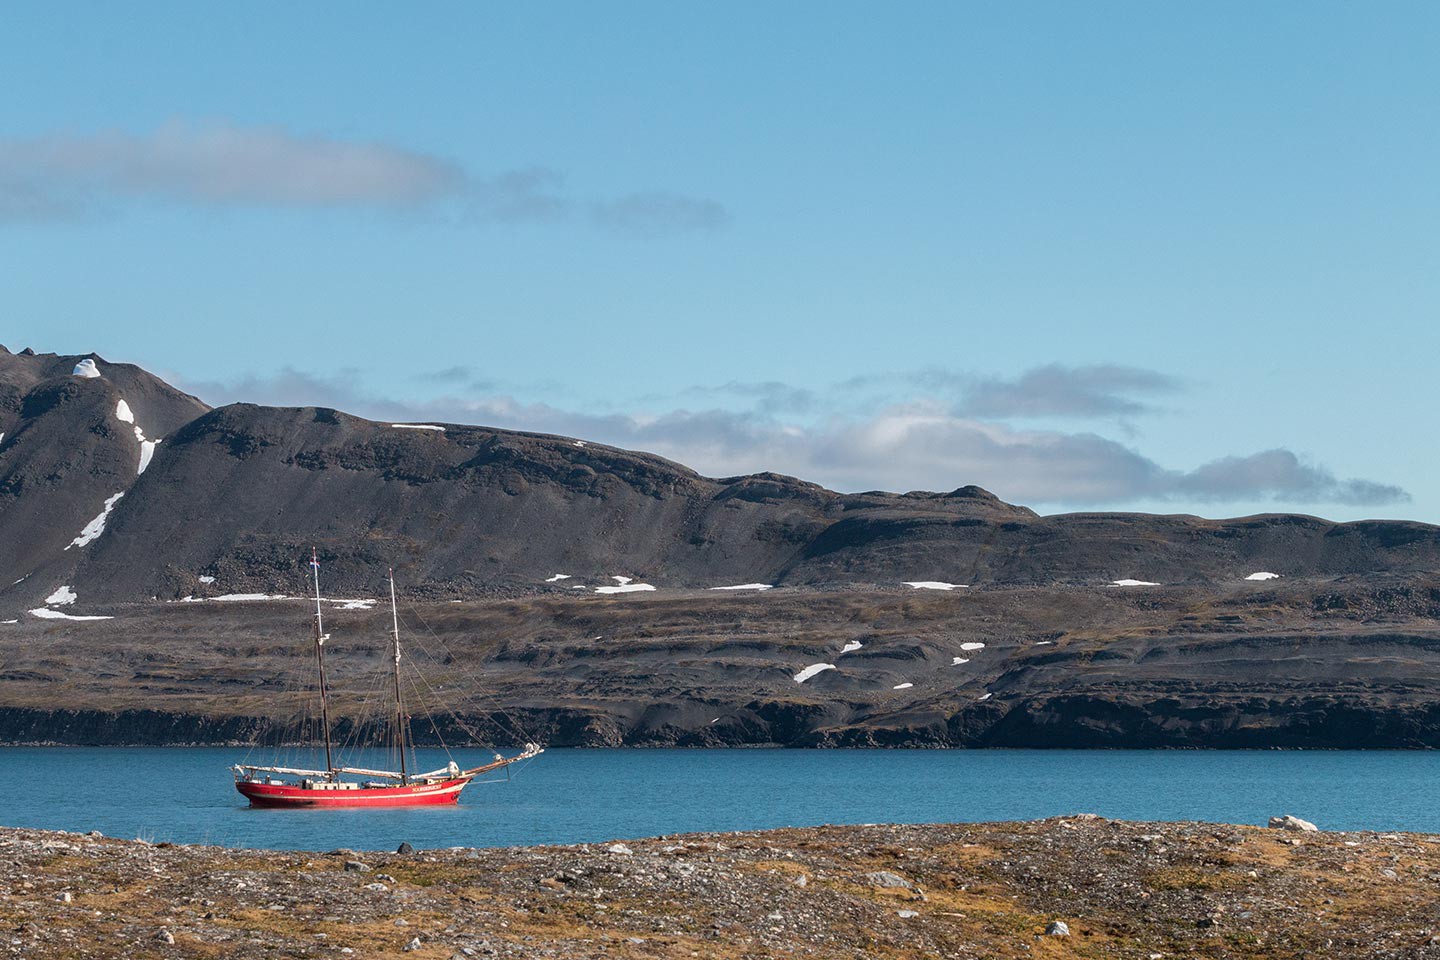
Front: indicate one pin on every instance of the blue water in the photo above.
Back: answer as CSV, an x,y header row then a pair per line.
x,y
187,795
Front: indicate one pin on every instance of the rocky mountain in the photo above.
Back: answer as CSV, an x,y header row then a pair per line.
x,y
237,495
70,442
579,580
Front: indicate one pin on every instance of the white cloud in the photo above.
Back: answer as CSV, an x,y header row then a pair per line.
x,y
920,445
659,213
221,164
1056,390
72,176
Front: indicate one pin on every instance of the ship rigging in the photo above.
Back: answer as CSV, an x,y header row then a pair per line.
x,y
294,786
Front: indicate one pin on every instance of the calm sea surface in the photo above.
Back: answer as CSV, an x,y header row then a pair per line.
x,y
187,795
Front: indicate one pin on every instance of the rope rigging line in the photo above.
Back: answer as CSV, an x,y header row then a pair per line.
x,y
516,728
429,655
445,701
487,714
459,720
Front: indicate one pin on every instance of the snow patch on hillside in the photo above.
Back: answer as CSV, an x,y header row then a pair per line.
x,y
1133,583
85,368
747,586
972,645
625,587
956,661
234,597
933,585
557,577
418,426
96,527
62,596
812,670
147,453
46,614
206,579
852,646
1263,575
902,686
124,414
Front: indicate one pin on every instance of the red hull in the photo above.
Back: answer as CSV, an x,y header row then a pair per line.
x,y
411,795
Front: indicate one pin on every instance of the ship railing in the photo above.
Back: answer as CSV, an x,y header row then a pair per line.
x,y
293,771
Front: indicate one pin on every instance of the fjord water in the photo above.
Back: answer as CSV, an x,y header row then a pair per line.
x,y
186,795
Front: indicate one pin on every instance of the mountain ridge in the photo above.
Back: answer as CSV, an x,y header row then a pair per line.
x,y
240,492
948,619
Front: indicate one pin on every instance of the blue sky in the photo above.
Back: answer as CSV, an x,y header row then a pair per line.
x,y
1110,255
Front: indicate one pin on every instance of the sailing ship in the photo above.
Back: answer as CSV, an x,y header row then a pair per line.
x,y
334,786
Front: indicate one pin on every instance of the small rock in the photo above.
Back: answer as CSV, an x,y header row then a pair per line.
x,y
885,880
377,887
412,945
1058,928
1288,822
355,866
165,936
404,848
65,896
906,914
801,880
96,834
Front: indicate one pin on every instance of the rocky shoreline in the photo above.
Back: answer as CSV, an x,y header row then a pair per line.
x,y
1076,886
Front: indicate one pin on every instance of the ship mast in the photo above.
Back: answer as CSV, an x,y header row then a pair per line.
x,y
320,637
399,705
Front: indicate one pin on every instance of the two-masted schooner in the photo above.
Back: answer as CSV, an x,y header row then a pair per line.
x,y
278,786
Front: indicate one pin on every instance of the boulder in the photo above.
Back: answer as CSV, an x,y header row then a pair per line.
x,y
1288,822
1058,928
885,880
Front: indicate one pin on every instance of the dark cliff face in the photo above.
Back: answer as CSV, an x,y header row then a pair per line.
x,y
1337,663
